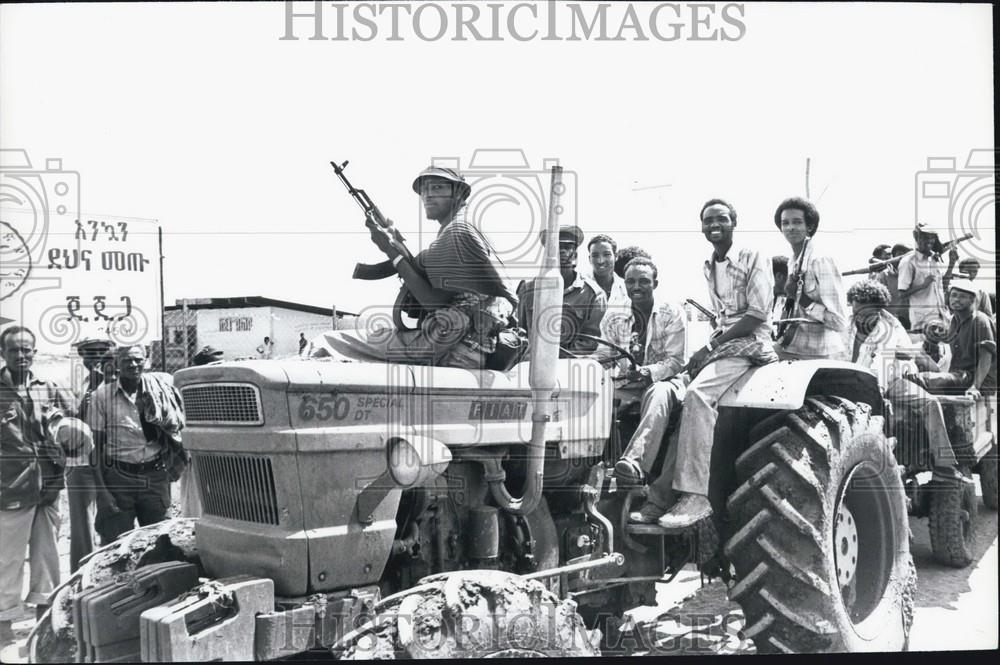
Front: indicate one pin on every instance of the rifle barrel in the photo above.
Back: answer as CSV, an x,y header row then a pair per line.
x,y
874,267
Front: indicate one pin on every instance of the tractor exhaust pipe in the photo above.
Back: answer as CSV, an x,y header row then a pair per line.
x,y
546,330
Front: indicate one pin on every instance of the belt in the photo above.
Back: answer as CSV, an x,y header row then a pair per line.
x,y
141,467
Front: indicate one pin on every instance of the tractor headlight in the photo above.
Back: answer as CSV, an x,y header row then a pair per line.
x,y
416,460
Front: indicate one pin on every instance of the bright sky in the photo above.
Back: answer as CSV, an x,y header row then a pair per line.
x,y
201,117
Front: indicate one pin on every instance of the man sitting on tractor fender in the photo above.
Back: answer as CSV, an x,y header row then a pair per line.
x,y
878,342
972,338
740,286
654,331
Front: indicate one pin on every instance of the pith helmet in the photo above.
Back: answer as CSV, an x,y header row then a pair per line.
x,y
450,175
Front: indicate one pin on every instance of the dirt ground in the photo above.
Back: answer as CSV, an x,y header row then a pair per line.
x,y
956,609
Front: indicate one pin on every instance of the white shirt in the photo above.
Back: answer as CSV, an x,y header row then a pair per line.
x,y
877,352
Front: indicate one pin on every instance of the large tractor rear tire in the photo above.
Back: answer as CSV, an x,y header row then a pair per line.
x,y
952,523
471,614
820,544
988,478
53,639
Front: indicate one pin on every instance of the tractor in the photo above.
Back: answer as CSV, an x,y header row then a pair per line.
x,y
949,501
388,511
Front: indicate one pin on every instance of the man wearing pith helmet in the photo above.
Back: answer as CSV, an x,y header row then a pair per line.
x,y
584,301
454,288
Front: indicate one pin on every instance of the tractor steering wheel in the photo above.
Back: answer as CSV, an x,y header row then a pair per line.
x,y
622,353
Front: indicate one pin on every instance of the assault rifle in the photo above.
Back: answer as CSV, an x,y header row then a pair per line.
x,y
373,216
879,265
704,310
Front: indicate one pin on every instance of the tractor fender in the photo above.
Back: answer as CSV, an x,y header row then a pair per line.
x,y
786,384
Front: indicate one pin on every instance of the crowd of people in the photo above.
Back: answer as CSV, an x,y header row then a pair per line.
x,y
919,325
896,323
116,463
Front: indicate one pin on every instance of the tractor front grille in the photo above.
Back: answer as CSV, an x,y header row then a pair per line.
x,y
222,404
237,487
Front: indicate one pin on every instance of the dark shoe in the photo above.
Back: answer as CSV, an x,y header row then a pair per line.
x,y
689,510
648,513
40,611
629,473
6,634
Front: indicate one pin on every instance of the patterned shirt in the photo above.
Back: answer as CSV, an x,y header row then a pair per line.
x,y
877,351
666,339
31,462
824,336
927,304
751,290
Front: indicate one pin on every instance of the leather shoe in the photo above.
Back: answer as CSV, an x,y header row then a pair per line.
x,y
648,513
688,511
629,473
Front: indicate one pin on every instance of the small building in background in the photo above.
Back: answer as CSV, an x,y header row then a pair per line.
x,y
238,326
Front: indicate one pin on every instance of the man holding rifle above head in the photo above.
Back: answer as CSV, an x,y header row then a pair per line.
x,y
922,280
454,287
814,294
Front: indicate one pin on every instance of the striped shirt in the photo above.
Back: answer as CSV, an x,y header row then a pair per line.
x,y
751,289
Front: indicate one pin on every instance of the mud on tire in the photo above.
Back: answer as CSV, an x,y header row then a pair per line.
x,y
471,614
53,639
988,478
820,542
952,523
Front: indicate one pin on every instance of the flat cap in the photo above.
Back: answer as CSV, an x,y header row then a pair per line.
x,y
569,231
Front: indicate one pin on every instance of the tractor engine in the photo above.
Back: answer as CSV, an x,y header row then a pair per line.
x,y
326,476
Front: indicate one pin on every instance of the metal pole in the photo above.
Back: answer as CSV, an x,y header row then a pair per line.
x,y
163,311
807,177
184,330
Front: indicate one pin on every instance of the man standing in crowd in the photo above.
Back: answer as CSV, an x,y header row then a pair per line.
x,y
98,359
266,350
889,277
136,423
603,253
921,281
303,343
654,331
815,287
31,477
740,286
584,303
